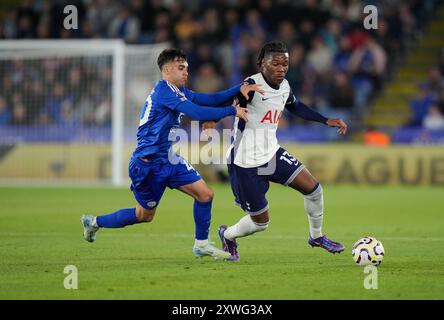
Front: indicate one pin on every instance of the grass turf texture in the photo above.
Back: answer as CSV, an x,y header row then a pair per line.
x,y
40,233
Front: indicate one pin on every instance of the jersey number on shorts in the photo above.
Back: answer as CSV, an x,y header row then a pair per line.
x,y
189,166
289,158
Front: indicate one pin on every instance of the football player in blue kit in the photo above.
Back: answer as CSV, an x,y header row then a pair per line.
x,y
155,166
255,157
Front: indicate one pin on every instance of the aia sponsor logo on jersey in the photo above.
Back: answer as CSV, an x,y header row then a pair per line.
x,y
272,116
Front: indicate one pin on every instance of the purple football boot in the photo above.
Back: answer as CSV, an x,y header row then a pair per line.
x,y
325,243
228,245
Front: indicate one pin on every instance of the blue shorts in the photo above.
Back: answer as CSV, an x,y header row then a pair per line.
x,y
150,179
249,185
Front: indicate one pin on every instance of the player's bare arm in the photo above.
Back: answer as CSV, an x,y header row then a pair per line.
x,y
246,88
241,113
338,123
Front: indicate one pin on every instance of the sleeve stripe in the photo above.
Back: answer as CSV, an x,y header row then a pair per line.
x,y
149,104
174,88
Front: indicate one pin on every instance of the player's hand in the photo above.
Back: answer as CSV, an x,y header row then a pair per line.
x,y
242,113
208,128
246,88
338,123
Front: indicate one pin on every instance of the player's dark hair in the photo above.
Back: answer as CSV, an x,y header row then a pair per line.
x,y
271,47
169,55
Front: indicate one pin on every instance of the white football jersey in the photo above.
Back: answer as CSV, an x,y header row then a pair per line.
x,y
255,142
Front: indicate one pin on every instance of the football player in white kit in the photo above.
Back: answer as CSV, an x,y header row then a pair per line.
x,y
255,158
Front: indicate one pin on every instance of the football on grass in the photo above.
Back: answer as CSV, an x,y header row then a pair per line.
x,y
368,251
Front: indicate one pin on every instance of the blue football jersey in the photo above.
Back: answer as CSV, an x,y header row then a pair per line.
x,y
164,108
159,118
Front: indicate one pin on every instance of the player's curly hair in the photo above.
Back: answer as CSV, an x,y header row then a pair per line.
x,y
270,47
169,55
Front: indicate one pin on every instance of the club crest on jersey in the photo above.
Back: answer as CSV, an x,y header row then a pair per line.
x,y
272,116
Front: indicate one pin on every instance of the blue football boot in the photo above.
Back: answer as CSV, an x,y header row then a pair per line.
x,y
325,243
228,245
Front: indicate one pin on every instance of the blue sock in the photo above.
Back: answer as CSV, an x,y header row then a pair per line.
x,y
118,219
202,219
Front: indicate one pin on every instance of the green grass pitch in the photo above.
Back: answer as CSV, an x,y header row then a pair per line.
x,y
40,234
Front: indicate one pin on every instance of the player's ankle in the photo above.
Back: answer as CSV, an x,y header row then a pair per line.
x,y
94,223
200,243
315,234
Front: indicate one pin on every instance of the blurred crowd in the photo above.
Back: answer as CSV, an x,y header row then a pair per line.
x,y
336,66
60,91
427,107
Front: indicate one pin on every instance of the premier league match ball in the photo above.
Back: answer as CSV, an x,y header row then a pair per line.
x,y
368,251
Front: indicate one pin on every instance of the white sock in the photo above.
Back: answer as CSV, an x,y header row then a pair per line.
x,y
200,243
314,206
94,224
243,228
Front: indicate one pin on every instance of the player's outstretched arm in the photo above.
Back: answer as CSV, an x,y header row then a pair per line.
x,y
173,99
223,97
245,89
198,112
338,123
301,110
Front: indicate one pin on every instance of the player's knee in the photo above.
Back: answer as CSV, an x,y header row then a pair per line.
x,y
315,194
147,218
260,222
145,215
314,202
205,196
